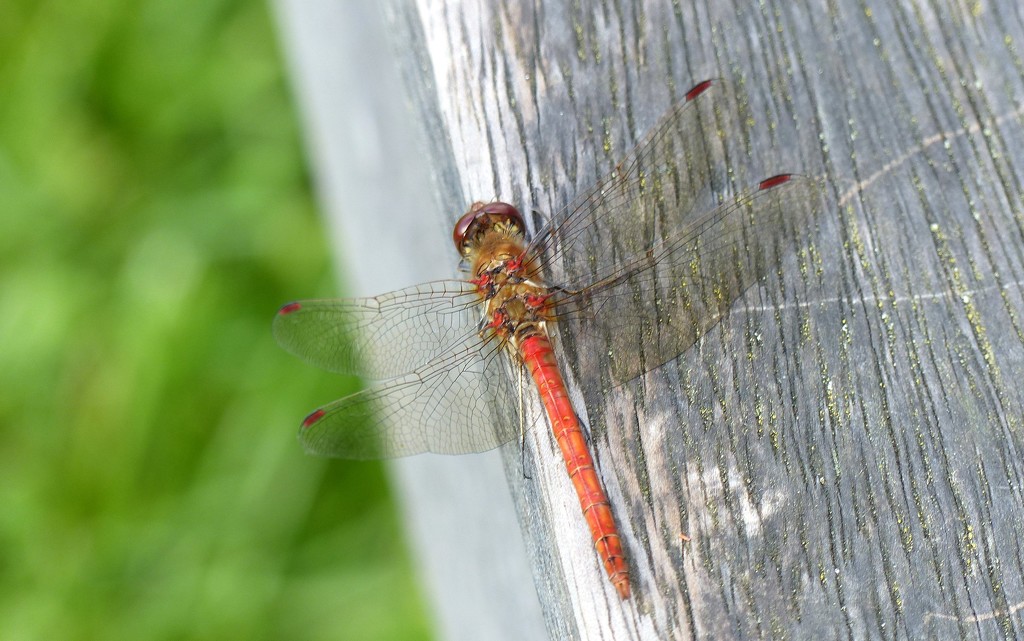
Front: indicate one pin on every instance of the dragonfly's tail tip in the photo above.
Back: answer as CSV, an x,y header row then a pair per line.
x,y
621,584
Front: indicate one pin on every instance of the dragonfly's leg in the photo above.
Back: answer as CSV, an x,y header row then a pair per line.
x,y
522,420
588,435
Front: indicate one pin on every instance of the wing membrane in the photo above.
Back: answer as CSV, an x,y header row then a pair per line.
x,y
678,170
653,307
383,336
459,403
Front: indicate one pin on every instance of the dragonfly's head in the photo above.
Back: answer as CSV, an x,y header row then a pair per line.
x,y
483,219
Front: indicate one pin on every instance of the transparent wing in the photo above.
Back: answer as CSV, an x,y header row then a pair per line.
x,y
678,170
651,307
462,402
652,256
384,336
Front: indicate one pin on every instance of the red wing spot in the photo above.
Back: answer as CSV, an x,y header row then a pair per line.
x,y
698,89
774,181
289,308
312,418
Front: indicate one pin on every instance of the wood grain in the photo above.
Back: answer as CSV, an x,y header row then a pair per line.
x,y
845,450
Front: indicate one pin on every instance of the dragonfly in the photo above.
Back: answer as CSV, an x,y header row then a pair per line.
x,y
636,269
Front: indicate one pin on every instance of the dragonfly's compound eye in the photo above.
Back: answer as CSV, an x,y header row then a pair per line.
x,y
462,227
481,217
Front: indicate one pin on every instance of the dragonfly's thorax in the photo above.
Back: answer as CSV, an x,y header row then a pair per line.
x,y
514,300
516,311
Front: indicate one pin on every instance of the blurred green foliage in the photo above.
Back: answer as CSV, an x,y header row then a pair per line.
x,y
156,210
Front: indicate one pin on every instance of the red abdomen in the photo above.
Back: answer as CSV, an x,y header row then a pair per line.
x,y
538,357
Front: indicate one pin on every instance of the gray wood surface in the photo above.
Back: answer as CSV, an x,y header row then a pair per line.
x,y
844,451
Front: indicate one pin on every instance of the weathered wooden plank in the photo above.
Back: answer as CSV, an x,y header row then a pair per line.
x,y
845,450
